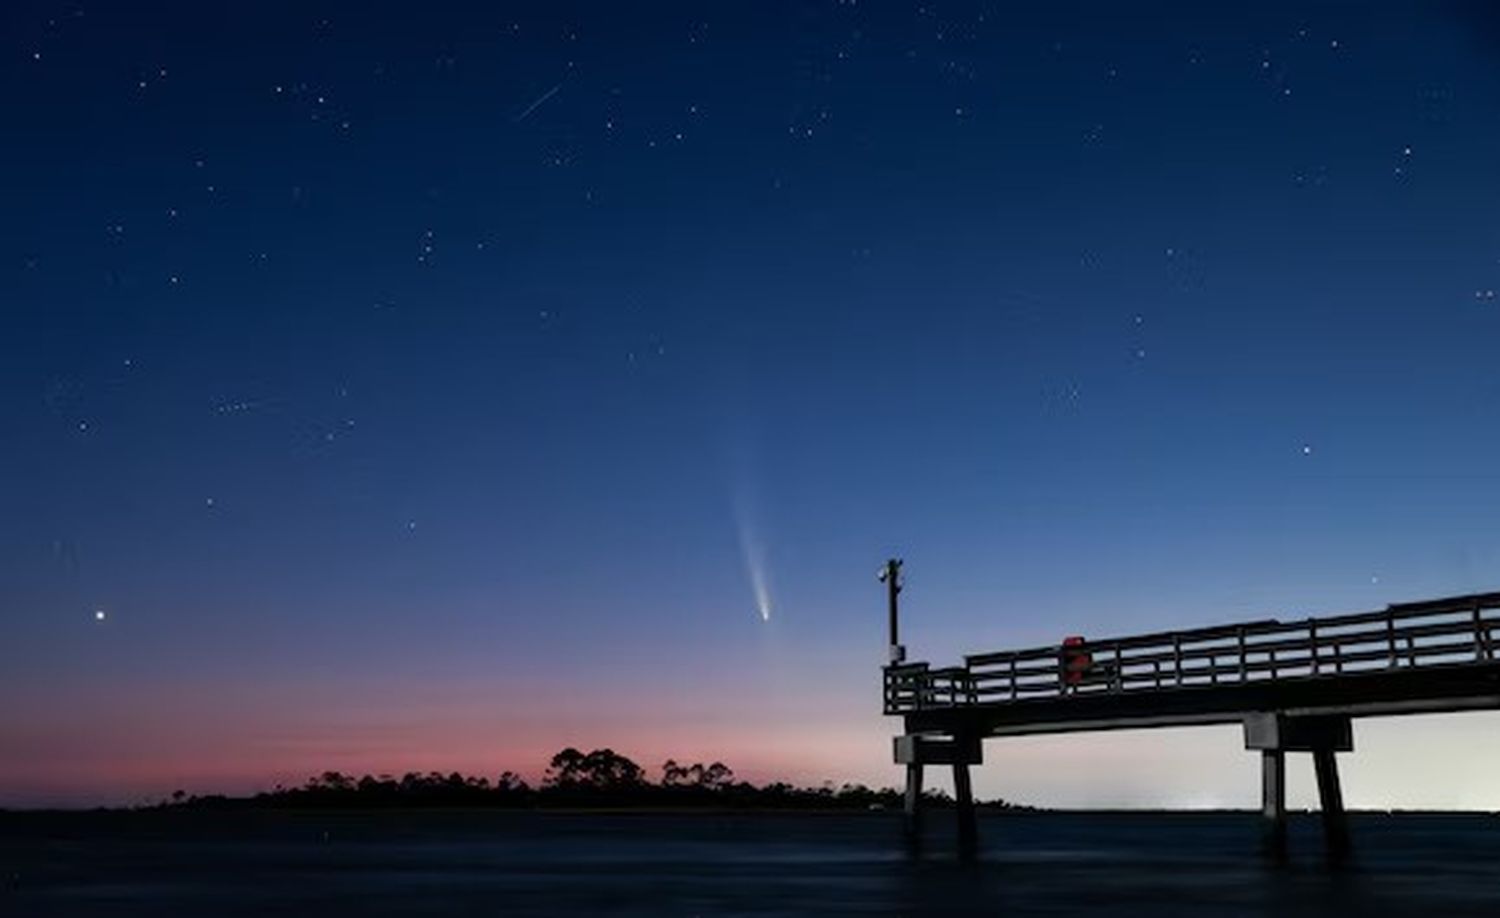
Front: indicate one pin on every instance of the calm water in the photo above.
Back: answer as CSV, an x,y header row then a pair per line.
x,y
494,863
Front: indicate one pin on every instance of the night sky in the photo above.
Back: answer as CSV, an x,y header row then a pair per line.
x,y
409,386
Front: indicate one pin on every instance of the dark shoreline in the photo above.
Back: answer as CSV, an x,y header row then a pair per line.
x,y
1007,810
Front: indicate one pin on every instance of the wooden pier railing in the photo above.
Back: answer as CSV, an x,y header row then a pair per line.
x,y
1457,631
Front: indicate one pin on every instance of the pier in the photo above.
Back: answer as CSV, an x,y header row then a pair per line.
x,y
1294,686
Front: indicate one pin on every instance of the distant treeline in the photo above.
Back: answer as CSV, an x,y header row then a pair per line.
x,y
574,779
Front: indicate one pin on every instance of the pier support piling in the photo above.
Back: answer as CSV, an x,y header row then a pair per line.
x,y
1331,798
963,798
912,823
1276,734
919,749
1273,803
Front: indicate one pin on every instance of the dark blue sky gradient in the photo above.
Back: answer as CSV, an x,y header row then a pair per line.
x,y
406,382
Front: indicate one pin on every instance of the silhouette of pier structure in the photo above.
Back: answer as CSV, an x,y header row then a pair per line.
x,y
1295,686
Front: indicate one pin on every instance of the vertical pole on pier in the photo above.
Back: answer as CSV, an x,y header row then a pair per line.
x,y
1273,802
890,575
1331,798
914,806
963,798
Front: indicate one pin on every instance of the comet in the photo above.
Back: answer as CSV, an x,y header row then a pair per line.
x,y
754,556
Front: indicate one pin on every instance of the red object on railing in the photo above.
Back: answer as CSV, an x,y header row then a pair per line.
x,y
1076,659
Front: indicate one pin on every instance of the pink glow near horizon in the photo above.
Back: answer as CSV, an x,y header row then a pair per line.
x,y
118,759
1203,767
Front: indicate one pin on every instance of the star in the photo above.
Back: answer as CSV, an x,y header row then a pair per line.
x,y
99,615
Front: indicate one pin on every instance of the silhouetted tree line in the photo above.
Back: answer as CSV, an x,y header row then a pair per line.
x,y
601,778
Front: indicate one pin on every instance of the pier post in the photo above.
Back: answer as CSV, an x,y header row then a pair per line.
x,y
1273,803
917,750
1276,734
963,799
1331,798
913,820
